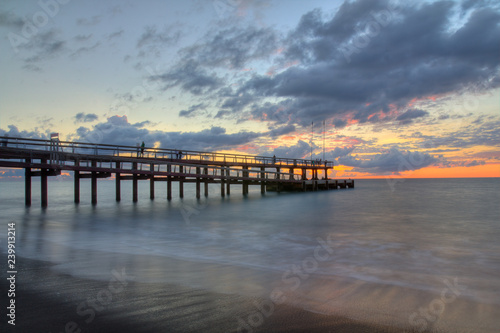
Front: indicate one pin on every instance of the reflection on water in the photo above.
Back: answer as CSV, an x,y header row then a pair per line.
x,y
382,248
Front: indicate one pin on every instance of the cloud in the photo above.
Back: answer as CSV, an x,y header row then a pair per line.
x,y
85,118
408,116
151,36
300,150
233,47
391,161
88,22
341,152
14,132
191,77
192,111
10,20
228,49
402,59
117,130
470,135
282,130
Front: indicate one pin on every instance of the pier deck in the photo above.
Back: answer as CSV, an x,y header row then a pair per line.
x,y
44,158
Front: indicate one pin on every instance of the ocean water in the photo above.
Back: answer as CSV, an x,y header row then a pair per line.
x,y
424,253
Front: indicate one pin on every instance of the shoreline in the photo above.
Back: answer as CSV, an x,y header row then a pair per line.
x,y
47,301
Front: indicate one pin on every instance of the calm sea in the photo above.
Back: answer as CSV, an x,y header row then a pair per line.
x,y
376,251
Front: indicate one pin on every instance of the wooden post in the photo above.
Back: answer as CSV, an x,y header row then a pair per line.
x,y
181,182
206,182
134,182
262,181
27,184
169,182
228,181
44,187
198,170
222,182
118,183
94,183
152,182
245,182
77,186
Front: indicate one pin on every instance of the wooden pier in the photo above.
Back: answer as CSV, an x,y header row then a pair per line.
x,y
45,158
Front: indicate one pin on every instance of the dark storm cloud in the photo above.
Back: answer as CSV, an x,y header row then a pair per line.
x,y
391,161
85,117
372,56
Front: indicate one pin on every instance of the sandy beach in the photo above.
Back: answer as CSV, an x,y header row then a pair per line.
x,y
52,302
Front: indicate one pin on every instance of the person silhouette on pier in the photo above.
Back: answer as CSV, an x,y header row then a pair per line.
x,y
142,148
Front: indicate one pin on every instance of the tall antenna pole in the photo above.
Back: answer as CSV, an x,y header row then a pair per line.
x,y
324,130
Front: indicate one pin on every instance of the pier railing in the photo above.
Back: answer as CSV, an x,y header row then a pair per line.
x,y
153,152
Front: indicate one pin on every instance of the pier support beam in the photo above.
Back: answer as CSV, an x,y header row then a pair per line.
x,y
169,183
152,182
222,194
76,177
206,182
77,186
27,184
228,181
44,187
198,171
181,182
262,181
118,183
245,182
94,183
134,183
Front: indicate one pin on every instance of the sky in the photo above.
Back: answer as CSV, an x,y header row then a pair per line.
x,y
384,88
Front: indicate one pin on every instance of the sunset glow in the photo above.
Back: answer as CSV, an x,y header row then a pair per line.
x,y
265,81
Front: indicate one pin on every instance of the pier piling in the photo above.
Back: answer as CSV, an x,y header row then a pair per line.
x,y
95,161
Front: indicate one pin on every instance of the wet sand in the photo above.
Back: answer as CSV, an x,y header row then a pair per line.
x,y
52,302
